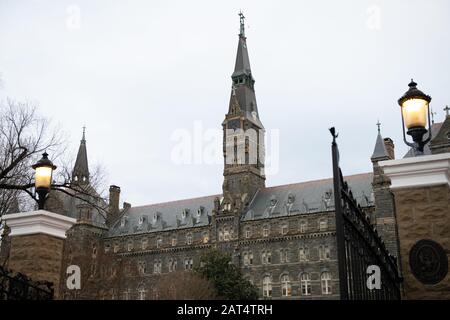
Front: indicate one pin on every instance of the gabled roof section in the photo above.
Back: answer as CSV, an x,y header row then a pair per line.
x,y
440,142
435,128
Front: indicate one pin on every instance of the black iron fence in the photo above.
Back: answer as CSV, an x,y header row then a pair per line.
x,y
362,254
17,286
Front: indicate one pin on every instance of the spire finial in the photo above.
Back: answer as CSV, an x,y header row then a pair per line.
x,y
242,22
447,109
378,125
84,133
432,113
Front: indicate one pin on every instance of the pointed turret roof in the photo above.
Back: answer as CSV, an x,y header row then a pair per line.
x,y
379,152
80,171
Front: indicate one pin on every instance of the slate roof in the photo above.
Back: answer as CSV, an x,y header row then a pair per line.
x,y
435,127
81,167
290,199
379,152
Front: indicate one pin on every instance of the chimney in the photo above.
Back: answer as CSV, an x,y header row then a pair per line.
x,y
389,144
114,197
126,205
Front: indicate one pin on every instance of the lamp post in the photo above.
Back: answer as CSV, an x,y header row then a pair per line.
x,y
415,111
43,178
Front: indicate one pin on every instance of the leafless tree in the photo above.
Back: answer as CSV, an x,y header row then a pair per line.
x,y
24,136
184,285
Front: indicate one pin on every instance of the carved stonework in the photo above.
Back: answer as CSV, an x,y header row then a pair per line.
x,y
428,262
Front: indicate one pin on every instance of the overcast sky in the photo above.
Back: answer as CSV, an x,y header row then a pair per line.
x,y
137,72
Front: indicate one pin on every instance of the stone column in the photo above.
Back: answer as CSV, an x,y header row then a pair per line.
x,y
421,187
37,244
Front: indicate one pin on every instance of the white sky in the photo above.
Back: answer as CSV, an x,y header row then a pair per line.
x,y
136,71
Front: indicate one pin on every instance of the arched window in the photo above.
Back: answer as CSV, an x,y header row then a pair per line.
x,y
267,286
286,290
325,280
305,283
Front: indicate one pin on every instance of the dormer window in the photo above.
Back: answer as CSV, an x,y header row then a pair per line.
x,y
184,213
290,199
155,217
273,202
199,211
122,222
141,220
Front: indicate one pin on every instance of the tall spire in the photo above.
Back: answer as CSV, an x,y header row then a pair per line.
x,y
243,90
379,152
243,135
80,173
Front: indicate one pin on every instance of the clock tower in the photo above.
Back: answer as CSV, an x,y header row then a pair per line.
x,y
243,136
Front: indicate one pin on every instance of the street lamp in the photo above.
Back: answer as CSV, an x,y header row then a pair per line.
x,y
415,111
43,178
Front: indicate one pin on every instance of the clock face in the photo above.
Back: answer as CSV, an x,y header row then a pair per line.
x,y
234,124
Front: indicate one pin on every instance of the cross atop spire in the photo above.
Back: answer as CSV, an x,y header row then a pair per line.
x,y
378,125
432,115
242,23
447,109
84,133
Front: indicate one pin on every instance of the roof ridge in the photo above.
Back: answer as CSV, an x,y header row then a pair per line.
x,y
268,188
318,180
177,201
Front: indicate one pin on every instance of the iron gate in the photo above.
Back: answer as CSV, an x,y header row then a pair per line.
x,y
17,286
359,246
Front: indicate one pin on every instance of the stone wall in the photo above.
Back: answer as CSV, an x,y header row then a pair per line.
x,y
38,256
423,213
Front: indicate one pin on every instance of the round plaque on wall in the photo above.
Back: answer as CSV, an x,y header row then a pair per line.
x,y
428,261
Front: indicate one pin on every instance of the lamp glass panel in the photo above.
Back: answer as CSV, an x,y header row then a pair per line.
x,y
43,177
415,113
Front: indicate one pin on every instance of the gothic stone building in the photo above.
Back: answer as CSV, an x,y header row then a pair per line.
x,y
282,238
